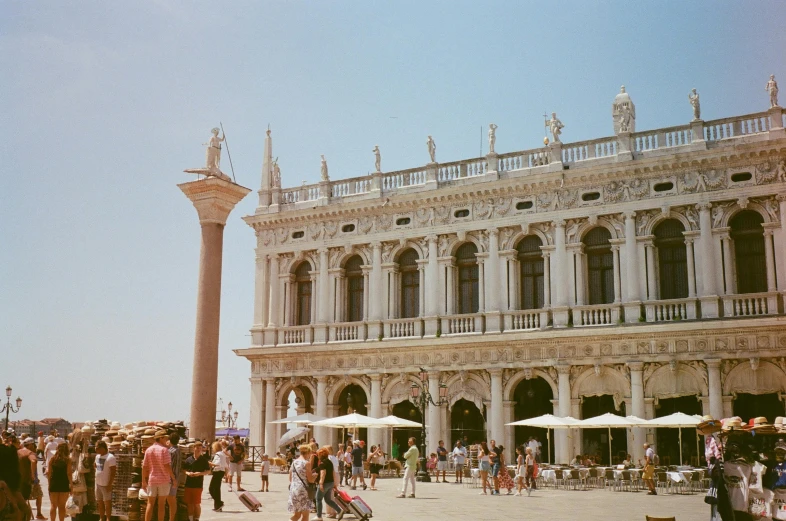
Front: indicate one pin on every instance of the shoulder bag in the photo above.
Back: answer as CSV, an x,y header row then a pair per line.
x,y
311,488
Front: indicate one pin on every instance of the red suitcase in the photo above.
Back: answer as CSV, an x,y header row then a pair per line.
x,y
250,501
360,509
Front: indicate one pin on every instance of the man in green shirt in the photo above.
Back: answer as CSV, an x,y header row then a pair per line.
x,y
410,468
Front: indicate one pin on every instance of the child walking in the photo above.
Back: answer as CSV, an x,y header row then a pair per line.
x,y
264,472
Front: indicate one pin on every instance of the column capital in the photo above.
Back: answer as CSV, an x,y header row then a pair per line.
x,y
636,366
713,363
213,198
704,207
433,374
273,256
493,231
630,214
615,247
256,380
559,223
432,237
376,245
563,369
781,197
322,251
375,377
495,372
321,379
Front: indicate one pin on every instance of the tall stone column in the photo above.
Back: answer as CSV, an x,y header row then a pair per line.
x,y
213,199
715,390
270,416
728,271
322,294
769,259
257,412
274,311
433,424
321,433
632,297
431,288
375,308
260,297
491,279
637,407
497,420
560,274
780,244
615,256
691,267
375,409
709,293
562,447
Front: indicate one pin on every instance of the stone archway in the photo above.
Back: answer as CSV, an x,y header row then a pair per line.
x,y
532,397
466,420
757,389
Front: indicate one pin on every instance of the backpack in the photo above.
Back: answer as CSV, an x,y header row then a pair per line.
x,y
656,460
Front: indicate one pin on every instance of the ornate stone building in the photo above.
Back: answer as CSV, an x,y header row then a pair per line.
x,y
639,274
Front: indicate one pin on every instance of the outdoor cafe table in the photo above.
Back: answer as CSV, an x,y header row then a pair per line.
x,y
634,473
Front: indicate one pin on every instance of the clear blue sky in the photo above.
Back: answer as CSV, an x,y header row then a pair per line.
x,y
105,103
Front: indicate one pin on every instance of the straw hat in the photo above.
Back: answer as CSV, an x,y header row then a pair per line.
x,y
780,424
708,425
762,426
116,426
780,446
150,432
732,424
160,434
111,433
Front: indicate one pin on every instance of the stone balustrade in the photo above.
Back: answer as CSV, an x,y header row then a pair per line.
x,y
670,310
750,305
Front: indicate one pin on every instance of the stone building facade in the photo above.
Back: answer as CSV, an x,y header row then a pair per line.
x,y
640,274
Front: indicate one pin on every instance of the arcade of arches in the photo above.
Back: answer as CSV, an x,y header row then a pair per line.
x,y
481,402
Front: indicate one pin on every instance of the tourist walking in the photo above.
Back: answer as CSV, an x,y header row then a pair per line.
x,y
58,473
27,466
503,477
40,445
348,464
220,465
459,456
484,465
36,494
49,450
14,506
197,467
264,474
521,468
648,475
106,470
410,468
326,481
442,461
237,453
357,465
300,474
495,457
375,460
176,463
157,476
529,475
340,468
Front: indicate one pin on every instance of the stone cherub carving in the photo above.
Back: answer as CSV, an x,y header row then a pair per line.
x,y
555,126
492,137
377,158
693,97
212,158
772,88
432,149
324,169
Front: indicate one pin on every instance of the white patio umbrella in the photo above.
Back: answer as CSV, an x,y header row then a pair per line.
x,y
301,418
610,421
547,421
350,421
291,435
395,421
679,421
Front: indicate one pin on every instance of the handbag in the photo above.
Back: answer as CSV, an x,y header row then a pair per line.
x,y
311,488
72,508
712,495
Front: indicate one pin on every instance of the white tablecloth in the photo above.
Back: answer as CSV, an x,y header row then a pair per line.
x,y
634,473
549,475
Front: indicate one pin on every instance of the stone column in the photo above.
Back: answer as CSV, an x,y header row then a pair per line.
x,y
546,279
615,257
632,298
780,244
260,297
213,199
652,277
580,266
709,293
375,409
256,421
562,447
715,390
691,267
431,289
770,260
375,304
433,430
728,266
497,425
270,416
560,274
637,407
273,309
321,433
321,298
491,279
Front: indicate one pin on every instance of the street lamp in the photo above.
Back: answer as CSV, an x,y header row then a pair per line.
x,y
420,398
8,408
230,417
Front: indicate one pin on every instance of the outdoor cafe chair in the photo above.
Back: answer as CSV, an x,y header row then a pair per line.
x,y
559,475
662,482
608,479
593,479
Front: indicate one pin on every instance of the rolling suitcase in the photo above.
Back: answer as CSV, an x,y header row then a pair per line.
x,y
248,499
343,500
360,509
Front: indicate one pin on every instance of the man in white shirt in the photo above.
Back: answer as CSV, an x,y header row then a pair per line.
x,y
459,456
649,469
50,450
106,468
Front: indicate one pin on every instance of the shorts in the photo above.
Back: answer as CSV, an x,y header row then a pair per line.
x,y
192,496
374,468
442,466
161,490
235,469
103,493
485,466
173,491
458,466
26,489
649,472
36,492
495,470
357,471
264,478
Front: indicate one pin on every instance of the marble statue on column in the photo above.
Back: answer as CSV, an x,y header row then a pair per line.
x,y
324,169
377,158
693,97
772,88
432,149
492,138
276,181
555,126
212,158
623,112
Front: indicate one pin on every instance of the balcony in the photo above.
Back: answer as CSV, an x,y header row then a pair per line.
x,y
750,305
462,324
596,315
403,328
295,335
347,331
526,320
670,310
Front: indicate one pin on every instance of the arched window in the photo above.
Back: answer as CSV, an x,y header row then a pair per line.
x,y
748,237
410,284
672,259
354,275
467,265
600,266
303,290
531,272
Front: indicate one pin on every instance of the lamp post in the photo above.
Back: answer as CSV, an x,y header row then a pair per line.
x,y
8,408
421,397
231,418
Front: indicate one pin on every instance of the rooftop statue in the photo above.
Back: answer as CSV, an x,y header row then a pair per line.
x,y
772,88
693,97
432,149
492,137
324,169
276,174
623,112
377,158
212,158
555,126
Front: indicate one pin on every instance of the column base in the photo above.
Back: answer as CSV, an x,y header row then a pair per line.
x,y
430,327
560,316
632,312
257,337
320,333
375,330
271,336
709,307
493,322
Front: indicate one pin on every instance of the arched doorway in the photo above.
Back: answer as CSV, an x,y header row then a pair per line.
x,y
466,421
353,399
533,398
596,441
748,406
667,441
407,411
